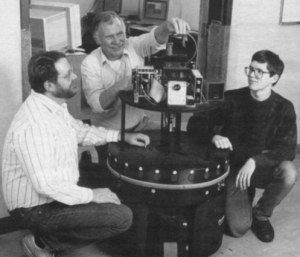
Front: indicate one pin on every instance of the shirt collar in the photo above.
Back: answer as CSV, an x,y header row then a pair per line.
x,y
104,59
267,101
48,103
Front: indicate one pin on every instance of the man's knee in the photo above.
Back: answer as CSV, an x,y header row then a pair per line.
x,y
238,211
288,171
237,228
126,218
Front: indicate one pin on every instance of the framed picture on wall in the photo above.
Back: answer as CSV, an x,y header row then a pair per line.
x,y
290,12
112,5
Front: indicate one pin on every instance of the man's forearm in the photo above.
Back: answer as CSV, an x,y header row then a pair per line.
x,y
162,34
174,25
108,97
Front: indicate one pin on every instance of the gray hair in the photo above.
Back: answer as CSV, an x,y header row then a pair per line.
x,y
105,17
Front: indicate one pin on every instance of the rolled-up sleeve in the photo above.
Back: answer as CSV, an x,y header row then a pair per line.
x,y
91,82
146,44
91,135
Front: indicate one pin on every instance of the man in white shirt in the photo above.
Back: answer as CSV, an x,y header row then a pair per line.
x,y
107,70
40,167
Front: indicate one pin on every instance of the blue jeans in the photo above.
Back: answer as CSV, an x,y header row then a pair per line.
x,y
277,183
62,227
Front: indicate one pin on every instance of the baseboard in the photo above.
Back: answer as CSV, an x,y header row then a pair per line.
x,y
7,225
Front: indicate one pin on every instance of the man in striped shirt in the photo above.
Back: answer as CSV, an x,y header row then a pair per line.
x,y
40,167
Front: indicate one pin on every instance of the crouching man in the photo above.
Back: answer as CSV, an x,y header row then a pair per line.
x,y
259,126
40,167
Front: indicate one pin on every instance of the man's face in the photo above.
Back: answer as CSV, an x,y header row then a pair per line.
x,y
64,87
263,83
112,39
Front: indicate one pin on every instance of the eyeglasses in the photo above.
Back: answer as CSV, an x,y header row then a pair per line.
x,y
68,76
257,72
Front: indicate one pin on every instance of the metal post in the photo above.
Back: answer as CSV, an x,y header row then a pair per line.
x,y
123,125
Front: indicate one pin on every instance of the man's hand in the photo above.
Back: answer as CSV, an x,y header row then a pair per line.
x,y
222,142
172,26
137,139
177,26
104,195
244,176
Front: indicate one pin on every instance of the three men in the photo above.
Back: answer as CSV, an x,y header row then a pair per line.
x,y
259,126
40,167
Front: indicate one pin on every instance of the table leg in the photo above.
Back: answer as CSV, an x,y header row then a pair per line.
x,y
123,125
177,132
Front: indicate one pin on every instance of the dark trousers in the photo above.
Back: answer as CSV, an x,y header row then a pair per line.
x,y
276,182
64,228
61,227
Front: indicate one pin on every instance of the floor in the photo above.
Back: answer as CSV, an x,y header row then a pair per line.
x,y
286,222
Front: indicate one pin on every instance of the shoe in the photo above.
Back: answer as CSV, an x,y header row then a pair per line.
x,y
263,230
31,249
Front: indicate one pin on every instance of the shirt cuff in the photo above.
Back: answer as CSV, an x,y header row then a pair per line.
x,y
88,194
112,136
153,40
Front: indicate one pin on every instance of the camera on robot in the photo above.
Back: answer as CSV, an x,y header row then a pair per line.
x,y
168,78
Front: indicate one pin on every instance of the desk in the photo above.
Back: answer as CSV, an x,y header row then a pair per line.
x,y
138,29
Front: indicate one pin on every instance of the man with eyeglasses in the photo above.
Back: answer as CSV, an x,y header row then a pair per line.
x,y
40,172
259,126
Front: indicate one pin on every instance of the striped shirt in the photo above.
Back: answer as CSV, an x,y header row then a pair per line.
x,y
40,160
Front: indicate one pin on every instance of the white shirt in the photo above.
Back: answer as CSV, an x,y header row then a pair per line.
x,y
40,160
98,75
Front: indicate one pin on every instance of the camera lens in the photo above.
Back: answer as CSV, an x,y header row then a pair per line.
x,y
176,87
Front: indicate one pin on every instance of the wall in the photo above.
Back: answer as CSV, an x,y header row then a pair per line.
x,y
255,26
10,73
186,9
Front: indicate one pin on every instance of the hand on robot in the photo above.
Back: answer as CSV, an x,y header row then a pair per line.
x,y
177,26
137,139
222,142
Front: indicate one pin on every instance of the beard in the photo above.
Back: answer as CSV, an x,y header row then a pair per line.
x,y
64,93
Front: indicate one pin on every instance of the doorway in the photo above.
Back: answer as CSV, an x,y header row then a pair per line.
x,y
213,40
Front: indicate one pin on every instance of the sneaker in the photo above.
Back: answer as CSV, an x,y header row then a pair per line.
x,y
262,229
31,249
